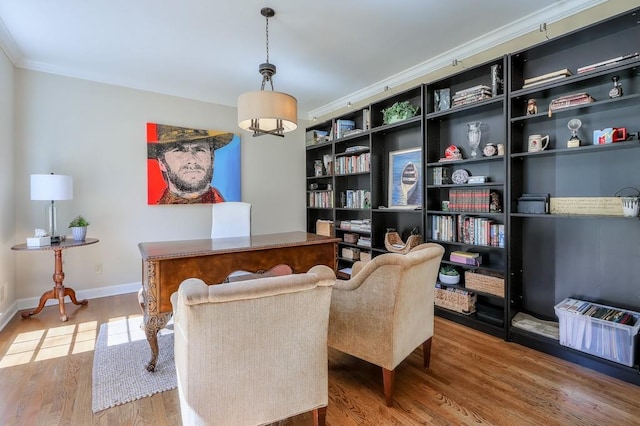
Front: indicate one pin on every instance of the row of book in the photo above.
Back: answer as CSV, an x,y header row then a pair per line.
x,y
352,164
471,200
467,230
356,199
605,313
321,199
471,94
358,225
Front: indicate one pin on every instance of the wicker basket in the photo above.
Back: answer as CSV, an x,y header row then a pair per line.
x,y
455,299
394,243
486,282
351,238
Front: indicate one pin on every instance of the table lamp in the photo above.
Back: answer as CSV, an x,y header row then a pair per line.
x,y
53,188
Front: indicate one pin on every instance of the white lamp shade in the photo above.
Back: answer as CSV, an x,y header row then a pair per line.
x,y
267,107
51,187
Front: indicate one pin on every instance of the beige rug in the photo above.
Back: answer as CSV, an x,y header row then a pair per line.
x,y
121,354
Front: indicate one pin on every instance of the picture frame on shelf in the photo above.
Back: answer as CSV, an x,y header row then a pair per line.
x,y
405,178
441,99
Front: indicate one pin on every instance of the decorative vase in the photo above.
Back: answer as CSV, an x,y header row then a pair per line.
x,y
473,136
449,279
79,233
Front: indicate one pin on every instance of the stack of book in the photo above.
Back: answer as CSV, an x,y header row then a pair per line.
x,y
470,95
608,62
605,313
364,241
546,78
466,258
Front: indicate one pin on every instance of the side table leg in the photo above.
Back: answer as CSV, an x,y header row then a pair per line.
x,y
153,324
60,296
72,295
51,294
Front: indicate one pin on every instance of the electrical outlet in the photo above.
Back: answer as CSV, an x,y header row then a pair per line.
x,y
98,268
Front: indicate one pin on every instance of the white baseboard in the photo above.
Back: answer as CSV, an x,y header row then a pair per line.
x,y
92,293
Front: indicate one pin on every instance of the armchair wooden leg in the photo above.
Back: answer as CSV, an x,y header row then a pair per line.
x,y
426,352
320,416
387,379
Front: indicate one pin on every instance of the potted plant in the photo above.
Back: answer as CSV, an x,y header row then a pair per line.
x,y
449,275
79,228
398,111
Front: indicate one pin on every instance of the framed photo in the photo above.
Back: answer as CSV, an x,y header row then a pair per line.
x,y
405,178
441,99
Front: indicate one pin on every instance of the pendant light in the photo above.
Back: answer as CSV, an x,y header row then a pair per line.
x,y
267,112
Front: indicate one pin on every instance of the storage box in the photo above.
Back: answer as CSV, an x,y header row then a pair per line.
x,y
365,256
455,299
38,241
350,238
596,330
486,282
324,227
351,253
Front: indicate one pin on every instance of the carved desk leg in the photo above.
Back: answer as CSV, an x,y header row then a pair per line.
x,y
153,324
153,320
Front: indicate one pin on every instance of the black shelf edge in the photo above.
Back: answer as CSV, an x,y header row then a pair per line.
x,y
354,231
498,99
452,212
579,150
465,161
573,216
456,243
465,185
349,154
338,175
319,177
409,122
597,104
474,268
395,210
319,145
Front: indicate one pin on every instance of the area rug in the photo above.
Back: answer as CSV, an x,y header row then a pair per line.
x,y
120,357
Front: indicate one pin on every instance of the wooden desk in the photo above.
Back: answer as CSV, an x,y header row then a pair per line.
x,y
166,264
59,291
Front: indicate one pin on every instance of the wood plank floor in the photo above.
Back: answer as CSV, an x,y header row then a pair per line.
x,y
474,379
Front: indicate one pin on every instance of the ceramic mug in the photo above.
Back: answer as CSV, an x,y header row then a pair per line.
x,y
538,143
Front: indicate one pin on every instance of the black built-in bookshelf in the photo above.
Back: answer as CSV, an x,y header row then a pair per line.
x,y
544,258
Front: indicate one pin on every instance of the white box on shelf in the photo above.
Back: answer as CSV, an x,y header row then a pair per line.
x,y
38,241
603,338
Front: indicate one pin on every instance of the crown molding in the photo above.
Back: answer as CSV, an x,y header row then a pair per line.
x,y
9,46
551,14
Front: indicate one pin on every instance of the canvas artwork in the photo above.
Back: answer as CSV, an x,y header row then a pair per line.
x,y
191,166
405,170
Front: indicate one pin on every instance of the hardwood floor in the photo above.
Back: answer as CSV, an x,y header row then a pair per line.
x,y
473,379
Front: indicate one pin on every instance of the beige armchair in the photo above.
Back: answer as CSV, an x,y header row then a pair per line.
x,y
385,310
253,352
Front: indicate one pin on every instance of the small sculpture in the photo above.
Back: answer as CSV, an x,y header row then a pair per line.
x,y
616,91
532,107
495,205
452,153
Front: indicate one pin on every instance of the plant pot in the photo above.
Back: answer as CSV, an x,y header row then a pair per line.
x,y
79,233
449,279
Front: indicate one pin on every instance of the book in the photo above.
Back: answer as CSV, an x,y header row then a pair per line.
x,y
608,62
560,77
466,254
465,260
554,74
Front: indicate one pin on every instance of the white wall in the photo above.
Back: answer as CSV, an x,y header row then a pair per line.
x,y
7,215
96,133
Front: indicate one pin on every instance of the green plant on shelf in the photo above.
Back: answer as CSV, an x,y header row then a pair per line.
x,y
78,222
449,271
399,111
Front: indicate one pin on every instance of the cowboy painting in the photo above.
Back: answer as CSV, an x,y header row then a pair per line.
x,y
192,166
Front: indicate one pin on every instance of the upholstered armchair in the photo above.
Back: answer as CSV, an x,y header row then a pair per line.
x,y
385,311
253,352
